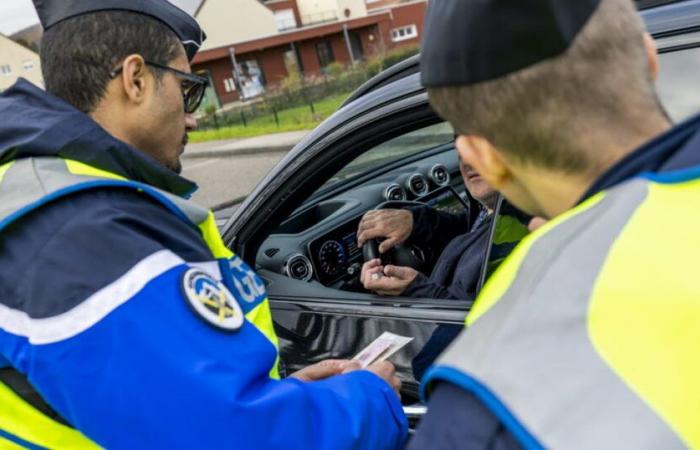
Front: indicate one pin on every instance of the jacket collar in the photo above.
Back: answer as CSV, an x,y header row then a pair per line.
x,y
676,149
36,123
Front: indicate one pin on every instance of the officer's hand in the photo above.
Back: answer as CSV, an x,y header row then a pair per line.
x,y
322,370
386,280
387,372
392,225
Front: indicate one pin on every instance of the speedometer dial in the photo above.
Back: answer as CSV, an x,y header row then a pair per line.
x,y
332,258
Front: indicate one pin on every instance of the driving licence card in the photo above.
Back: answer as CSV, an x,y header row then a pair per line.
x,y
381,348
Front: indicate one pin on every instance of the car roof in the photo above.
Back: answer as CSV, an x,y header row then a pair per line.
x,y
661,16
400,70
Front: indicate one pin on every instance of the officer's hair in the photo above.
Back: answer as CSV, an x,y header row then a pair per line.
x,y
78,54
548,114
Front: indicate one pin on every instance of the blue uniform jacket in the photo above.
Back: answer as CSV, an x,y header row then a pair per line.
x,y
147,372
456,418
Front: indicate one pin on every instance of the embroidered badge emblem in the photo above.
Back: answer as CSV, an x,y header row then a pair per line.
x,y
211,300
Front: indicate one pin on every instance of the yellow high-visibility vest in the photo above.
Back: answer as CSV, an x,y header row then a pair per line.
x,y
586,336
43,179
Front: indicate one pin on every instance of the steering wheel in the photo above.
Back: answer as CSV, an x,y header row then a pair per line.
x,y
400,255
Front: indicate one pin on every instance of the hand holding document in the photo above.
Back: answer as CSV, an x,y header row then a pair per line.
x,y
381,348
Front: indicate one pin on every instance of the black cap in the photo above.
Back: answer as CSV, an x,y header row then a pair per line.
x,y
185,27
471,41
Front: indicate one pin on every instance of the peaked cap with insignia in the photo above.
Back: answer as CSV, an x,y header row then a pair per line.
x,y
471,41
185,26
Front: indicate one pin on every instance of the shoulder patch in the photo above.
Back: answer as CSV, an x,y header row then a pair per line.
x,y
211,300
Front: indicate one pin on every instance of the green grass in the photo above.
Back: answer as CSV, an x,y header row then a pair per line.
x,y
293,119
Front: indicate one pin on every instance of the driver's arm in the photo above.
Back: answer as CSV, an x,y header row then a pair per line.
x,y
421,224
436,228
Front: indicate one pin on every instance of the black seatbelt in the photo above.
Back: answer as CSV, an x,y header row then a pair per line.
x,y
19,384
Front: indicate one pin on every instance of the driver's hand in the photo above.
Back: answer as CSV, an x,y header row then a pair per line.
x,y
392,225
322,370
386,280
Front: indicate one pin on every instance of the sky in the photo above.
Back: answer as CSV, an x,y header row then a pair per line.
x,y
16,15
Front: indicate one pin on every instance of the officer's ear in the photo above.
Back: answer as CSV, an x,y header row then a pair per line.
x,y
134,79
652,55
480,154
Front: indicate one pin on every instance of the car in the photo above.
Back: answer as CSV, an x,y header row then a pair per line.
x,y
386,147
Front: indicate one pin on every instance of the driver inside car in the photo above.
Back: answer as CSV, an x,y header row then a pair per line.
x,y
456,273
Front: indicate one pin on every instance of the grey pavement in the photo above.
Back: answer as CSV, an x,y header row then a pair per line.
x,y
270,143
227,171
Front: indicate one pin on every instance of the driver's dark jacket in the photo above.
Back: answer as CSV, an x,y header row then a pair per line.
x,y
150,372
457,420
456,273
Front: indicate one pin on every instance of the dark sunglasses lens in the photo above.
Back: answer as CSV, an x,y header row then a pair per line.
x,y
194,97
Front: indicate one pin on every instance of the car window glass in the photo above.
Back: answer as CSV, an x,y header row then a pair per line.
x,y
510,227
394,150
678,82
317,247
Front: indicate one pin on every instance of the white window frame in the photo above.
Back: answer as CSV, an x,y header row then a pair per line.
x,y
404,33
285,19
229,85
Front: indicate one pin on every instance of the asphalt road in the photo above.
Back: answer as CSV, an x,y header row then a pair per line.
x,y
227,178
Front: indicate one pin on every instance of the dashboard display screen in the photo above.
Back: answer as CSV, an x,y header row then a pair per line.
x,y
333,253
446,200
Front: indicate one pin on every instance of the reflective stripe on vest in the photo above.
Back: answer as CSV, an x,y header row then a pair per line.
x,y
26,427
580,339
27,184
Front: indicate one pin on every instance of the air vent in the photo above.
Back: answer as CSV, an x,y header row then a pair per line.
x,y
270,252
417,185
440,175
394,193
298,267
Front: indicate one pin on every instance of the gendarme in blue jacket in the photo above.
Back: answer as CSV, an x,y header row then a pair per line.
x,y
147,372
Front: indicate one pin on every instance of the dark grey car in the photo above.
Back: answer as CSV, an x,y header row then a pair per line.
x,y
386,144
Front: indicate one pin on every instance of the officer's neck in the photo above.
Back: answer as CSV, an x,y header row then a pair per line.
x,y
114,120
552,192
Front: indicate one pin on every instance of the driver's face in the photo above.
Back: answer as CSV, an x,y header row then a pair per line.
x,y
476,185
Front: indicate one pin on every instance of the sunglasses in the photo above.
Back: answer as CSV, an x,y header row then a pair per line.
x,y
193,86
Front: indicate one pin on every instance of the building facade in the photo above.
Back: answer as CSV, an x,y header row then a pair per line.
x,y
18,61
275,38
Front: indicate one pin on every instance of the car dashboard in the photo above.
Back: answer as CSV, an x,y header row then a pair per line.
x,y
318,242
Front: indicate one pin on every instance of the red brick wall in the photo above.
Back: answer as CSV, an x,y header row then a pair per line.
x,y
307,51
310,58
340,49
411,14
369,46
271,62
219,69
